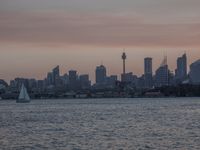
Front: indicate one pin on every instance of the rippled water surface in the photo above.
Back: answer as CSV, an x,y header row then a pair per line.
x,y
101,124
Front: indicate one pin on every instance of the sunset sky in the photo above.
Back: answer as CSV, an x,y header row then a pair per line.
x,y
37,35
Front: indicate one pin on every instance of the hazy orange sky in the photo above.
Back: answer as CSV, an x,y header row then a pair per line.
x,y
37,35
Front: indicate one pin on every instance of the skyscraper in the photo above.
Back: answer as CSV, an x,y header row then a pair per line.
x,y
100,74
72,76
148,72
162,74
49,78
194,74
55,74
181,71
73,83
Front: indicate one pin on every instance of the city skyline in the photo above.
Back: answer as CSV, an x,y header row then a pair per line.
x,y
71,83
93,77
99,74
37,35
137,69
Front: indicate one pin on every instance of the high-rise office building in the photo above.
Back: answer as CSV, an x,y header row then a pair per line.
x,y
162,74
50,78
55,74
194,74
181,71
72,76
65,79
73,80
100,74
148,75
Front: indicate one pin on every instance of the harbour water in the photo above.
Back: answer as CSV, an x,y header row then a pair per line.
x,y
102,124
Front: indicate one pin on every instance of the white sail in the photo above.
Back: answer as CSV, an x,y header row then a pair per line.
x,y
23,94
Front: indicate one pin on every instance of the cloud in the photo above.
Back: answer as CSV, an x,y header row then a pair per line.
x,y
98,29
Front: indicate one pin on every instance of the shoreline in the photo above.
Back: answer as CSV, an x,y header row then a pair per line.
x,y
103,98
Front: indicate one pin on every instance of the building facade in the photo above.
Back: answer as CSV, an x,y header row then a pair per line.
x,y
194,74
100,74
181,71
148,72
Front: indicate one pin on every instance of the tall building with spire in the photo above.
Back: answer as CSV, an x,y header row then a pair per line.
x,y
162,74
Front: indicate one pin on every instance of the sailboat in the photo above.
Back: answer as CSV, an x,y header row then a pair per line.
x,y
23,96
